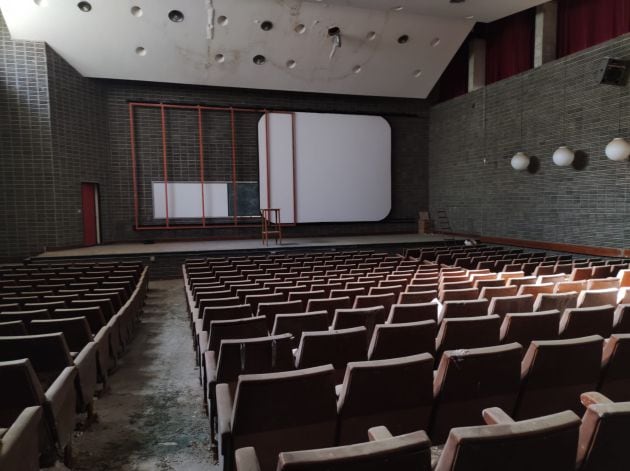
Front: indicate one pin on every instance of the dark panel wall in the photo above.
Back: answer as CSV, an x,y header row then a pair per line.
x,y
27,209
408,119
473,138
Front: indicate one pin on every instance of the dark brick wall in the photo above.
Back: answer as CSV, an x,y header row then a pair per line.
x,y
408,119
473,137
27,209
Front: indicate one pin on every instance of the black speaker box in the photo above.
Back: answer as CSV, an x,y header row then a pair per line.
x,y
613,72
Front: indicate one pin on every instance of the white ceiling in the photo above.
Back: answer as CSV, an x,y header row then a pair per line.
x,y
104,42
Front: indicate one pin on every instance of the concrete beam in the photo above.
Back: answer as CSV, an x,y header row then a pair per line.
x,y
545,33
476,64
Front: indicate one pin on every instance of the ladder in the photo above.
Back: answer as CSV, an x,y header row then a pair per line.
x,y
271,225
442,223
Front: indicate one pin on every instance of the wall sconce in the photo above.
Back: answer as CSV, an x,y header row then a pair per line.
x,y
520,161
618,149
563,156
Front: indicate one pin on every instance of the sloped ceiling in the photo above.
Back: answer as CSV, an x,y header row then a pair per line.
x,y
217,40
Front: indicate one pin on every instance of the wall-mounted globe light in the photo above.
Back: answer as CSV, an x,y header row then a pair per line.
x,y
618,149
520,161
563,156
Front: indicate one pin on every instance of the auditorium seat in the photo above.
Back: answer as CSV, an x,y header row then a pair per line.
x,y
403,313
555,372
534,290
467,332
468,381
25,316
525,280
602,283
559,301
396,393
296,324
367,317
597,297
417,297
528,326
19,439
624,277
305,296
603,442
490,292
579,274
551,278
622,319
224,313
385,300
489,283
568,286
336,347
458,294
581,322
330,305
270,310
350,293
244,328
255,299
12,328
398,340
615,374
409,452
380,290
268,413
546,443
503,305
469,308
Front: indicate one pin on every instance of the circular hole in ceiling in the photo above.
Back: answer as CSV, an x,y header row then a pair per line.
x,y
259,59
141,51
435,42
266,25
136,11
403,39
220,58
84,6
291,64
371,36
222,20
176,16
398,8
334,31
417,73
300,29
356,69
41,3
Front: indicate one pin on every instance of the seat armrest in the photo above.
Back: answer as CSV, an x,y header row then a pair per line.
x,y
379,433
64,382
496,416
592,397
202,341
246,459
224,418
210,367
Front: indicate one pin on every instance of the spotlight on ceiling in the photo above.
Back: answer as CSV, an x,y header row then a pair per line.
x,y
266,25
84,6
176,16
259,59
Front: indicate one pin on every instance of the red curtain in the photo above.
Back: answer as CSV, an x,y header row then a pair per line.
x,y
584,23
510,45
454,80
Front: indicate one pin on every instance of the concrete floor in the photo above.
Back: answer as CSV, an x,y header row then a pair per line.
x,y
153,417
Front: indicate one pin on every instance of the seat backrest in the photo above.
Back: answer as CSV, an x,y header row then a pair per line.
x,y
295,324
253,356
337,347
48,354
555,372
490,292
469,308
76,330
330,305
396,393
559,301
24,390
597,297
468,381
224,313
568,286
398,340
305,296
615,378
350,293
511,304
525,327
579,274
458,294
489,283
404,313
246,328
291,410
417,297
543,444
622,319
269,310
584,321
12,328
25,316
467,332
94,316
536,289
385,300
253,300
602,283
367,317
603,443
409,452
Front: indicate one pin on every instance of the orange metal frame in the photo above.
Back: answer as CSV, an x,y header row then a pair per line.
x,y
199,108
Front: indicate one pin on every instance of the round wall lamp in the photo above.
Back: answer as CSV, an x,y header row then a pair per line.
x,y
563,156
520,161
618,149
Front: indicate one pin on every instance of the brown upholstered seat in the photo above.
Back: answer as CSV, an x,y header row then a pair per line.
x,y
397,340
534,290
490,292
255,299
276,412
296,324
555,372
306,296
615,375
12,328
19,441
467,332
270,310
622,319
581,322
397,393
250,327
559,301
404,313
367,317
543,444
568,286
350,293
409,452
468,308
25,316
528,326
503,305
385,300
464,294
468,381
579,274
602,283
597,297
330,305
336,347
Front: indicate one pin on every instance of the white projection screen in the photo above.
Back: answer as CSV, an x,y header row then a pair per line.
x,y
342,167
184,200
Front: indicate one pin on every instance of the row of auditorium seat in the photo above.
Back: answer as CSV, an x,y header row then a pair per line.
x,y
63,327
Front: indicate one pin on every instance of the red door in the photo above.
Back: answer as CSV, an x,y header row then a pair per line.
x,y
89,195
